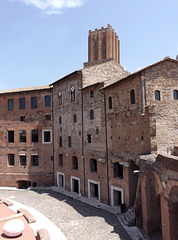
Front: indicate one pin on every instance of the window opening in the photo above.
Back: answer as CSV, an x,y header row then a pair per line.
x,y
34,135
89,138
110,102
69,142
22,135
93,165
47,101
22,118
33,102
91,114
11,159
92,94
60,141
118,170
22,103
47,117
72,94
23,160
60,120
60,98
34,160
11,136
75,118
75,162
157,95
132,96
10,104
60,160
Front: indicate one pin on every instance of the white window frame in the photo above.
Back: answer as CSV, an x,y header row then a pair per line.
x,y
71,185
94,182
46,130
112,194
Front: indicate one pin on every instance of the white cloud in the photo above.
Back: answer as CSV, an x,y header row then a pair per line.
x,y
53,6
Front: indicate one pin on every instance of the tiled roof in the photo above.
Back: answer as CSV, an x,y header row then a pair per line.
x,y
26,89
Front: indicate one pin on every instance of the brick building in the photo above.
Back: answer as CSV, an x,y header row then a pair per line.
x,y
26,137
102,133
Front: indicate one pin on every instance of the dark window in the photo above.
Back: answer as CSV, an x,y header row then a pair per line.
x,y
72,94
22,135
91,114
10,136
34,160
60,98
60,141
47,136
69,142
75,118
10,104
157,95
22,103
11,159
34,102
118,170
175,93
89,138
47,117
23,160
132,96
110,102
75,162
92,93
47,101
93,165
60,160
34,135
60,120
22,118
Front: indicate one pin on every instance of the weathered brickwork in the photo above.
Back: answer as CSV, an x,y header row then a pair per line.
x,y
12,171
113,135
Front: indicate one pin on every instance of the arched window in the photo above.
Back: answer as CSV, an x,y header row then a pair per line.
x,y
118,170
93,165
132,96
75,162
92,94
110,102
175,94
91,114
157,95
72,94
60,160
60,98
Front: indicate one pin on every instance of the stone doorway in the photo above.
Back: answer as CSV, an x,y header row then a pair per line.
x,y
94,189
116,196
75,184
61,180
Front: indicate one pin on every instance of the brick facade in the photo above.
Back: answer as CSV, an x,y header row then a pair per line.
x,y
113,135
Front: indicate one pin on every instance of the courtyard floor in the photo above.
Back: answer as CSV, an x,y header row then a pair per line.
x,y
77,220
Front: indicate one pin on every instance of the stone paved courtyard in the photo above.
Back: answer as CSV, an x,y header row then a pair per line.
x,y
77,220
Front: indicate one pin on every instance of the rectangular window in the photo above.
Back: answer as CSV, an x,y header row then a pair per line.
x,y
22,118
60,160
34,160
11,136
34,135
23,160
47,101
22,135
10,104
60,141
69,142
47,117
33,102
89,138
60,120
46,136
22,103
11,160
75,118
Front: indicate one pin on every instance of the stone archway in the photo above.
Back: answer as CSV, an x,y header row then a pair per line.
x,y
173,212
153,207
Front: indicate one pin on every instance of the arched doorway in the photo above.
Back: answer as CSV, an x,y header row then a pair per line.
x,y
173,212
153,208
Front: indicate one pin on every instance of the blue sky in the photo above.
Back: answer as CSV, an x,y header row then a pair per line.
x,y
44,40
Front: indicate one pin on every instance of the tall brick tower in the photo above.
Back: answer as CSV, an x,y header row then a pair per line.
x,y
103,44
